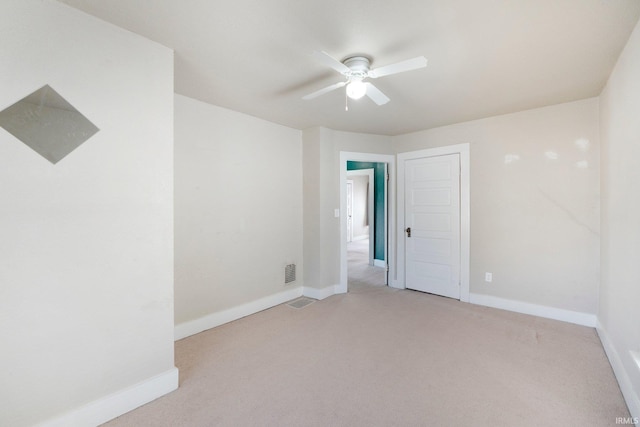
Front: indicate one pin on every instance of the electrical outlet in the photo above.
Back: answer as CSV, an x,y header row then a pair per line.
x,y
488,277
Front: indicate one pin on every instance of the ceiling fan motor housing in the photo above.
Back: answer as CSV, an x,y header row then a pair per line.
x,y
359,66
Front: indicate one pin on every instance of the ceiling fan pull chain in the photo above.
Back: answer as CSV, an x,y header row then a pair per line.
x,y
346,101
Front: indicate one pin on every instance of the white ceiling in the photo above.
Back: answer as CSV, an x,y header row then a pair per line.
x,y
486,57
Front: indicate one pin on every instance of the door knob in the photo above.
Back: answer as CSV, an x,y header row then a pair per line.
x,y
408,230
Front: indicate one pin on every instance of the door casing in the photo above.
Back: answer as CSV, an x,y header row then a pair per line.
x,y
389,159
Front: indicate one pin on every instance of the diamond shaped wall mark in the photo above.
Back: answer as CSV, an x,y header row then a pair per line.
x,y
47,123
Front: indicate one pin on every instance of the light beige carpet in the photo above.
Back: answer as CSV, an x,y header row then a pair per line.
x,y
361,275
384,357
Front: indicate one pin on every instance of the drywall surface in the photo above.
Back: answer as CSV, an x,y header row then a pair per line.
x,y
534,202
360,208
619,313
238,208
86,245
317,209
321,168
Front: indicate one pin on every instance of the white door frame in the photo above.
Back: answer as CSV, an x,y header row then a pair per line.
x,y
465,212
370,207
389,159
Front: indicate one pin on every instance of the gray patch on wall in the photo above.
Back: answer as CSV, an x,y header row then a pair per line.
x,y
47,123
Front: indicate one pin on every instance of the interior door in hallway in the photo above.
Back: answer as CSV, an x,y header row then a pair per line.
x,y
432,221
349,210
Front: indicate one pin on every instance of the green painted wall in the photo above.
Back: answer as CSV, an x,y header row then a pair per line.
x,y
378,203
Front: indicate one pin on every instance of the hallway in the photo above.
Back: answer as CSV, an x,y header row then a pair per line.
x,y
361,275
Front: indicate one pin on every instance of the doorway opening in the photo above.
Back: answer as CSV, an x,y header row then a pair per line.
x,y
365,236
366,266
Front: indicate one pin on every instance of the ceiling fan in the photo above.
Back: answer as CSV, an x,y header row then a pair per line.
x,y
356,69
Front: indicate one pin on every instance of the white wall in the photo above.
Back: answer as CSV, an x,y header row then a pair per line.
x,y
321,168
534,218
619,314
238,209
86,258
360,206
314,186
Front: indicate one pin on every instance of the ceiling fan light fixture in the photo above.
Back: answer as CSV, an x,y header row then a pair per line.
x,y
356,69
356,89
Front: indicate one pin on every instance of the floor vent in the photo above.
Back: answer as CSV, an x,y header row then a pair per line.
x,y
289,273
301,302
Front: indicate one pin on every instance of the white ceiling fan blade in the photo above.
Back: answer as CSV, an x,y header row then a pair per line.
x,y
376,95
325,90
330,61
399,67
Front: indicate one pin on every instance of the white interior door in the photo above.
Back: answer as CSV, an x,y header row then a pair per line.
x,y
432,221
349,211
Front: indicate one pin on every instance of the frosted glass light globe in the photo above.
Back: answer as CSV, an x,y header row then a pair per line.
x,y
356,89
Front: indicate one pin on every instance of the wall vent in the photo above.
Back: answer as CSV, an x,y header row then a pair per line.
x,y
289,273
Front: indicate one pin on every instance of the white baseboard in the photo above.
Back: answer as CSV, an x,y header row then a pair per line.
x,y
209,321
626,386
379,263
319,293
584,319
112,406
396,284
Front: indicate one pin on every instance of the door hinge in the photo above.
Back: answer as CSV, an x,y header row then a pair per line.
x,y
387,268
387,177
